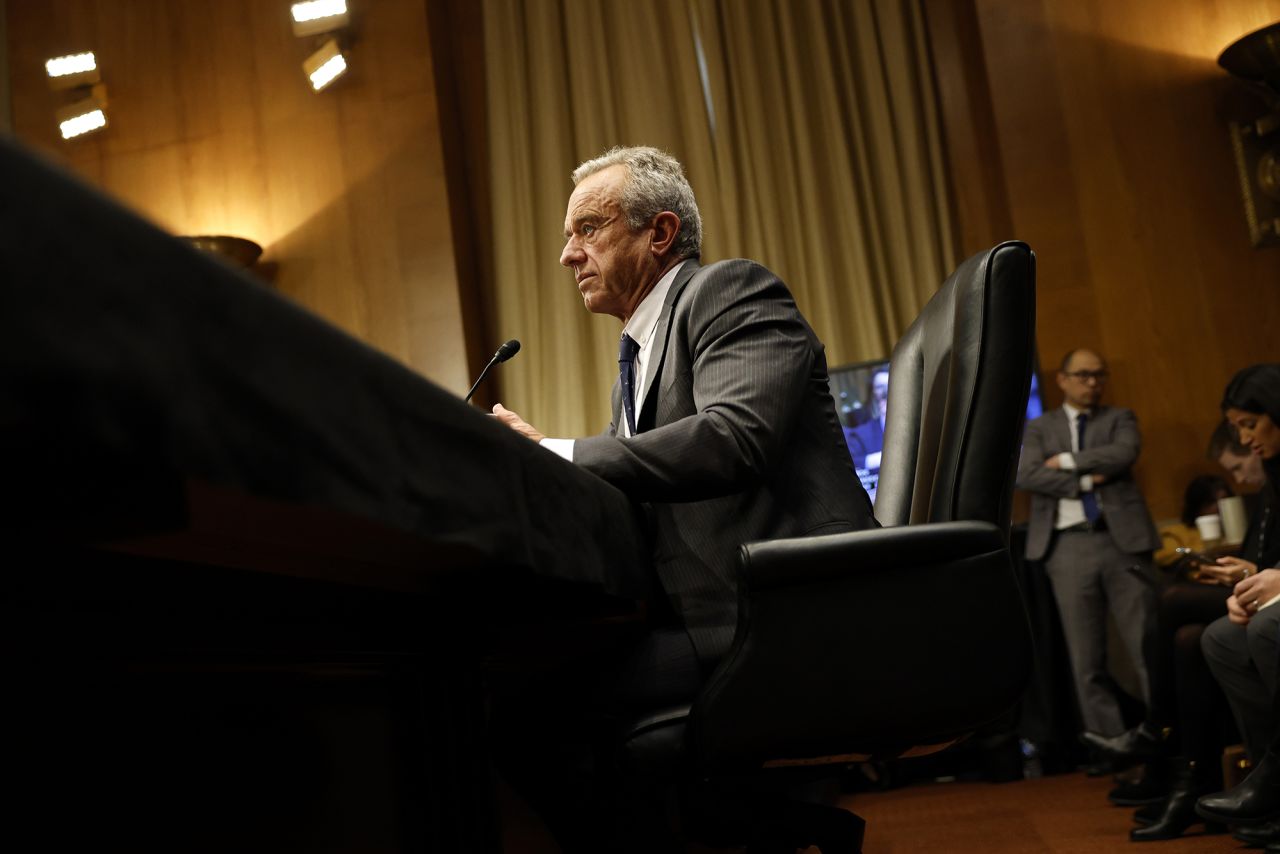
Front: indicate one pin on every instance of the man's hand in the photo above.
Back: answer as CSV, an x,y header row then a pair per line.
x,y
515,422
1256,590
1236,612
1052,462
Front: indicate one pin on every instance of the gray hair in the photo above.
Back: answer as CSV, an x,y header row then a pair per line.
x,y
655,183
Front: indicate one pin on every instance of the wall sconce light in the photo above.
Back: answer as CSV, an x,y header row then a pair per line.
x,y
240,251
1255,58
325,65
318,16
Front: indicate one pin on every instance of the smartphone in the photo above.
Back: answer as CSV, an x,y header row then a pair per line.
x,y
1195,555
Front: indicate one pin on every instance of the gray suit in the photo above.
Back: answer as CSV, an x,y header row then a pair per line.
x,y
737,440
1092,571
1246,662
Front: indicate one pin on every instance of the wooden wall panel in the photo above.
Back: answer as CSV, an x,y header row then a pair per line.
x,y
214,129
1106,125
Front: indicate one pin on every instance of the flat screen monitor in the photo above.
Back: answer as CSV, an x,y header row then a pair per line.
x,y
860,392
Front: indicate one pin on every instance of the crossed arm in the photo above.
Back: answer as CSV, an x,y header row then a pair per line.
x,y
1040,470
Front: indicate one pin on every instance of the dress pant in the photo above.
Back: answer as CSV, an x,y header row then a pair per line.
x,y
1091,575
554,742
1245,661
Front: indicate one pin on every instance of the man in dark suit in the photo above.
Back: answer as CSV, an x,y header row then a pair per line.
x,y
866,441
1090,525
731,434
722,418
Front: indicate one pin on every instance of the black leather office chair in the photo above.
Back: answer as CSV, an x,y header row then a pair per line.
x,y
891,642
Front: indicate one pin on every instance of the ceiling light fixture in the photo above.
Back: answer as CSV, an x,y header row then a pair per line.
x,y
72,70
319,16
325,65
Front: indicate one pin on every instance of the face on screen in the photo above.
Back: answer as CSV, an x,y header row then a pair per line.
x,y
879,391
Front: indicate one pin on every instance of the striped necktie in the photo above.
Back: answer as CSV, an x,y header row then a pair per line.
x,y
1092,511
627,350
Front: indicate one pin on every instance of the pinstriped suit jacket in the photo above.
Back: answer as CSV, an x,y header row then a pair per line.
x,y
737,440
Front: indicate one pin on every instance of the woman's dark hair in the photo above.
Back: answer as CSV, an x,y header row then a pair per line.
x,y
1202,490
1255,389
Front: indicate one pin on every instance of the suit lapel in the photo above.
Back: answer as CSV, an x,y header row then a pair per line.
x,y
1063,428
615,397
661,332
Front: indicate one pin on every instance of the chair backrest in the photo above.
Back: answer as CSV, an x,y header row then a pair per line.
x,y
959,380
901,640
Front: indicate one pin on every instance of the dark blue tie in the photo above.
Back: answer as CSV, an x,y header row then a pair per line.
x,y
1090,500
627,350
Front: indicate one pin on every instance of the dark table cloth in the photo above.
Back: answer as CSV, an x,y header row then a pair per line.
x,y
131,364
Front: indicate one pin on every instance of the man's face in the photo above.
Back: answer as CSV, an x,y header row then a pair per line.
x,y
1245,470
1084,379
612,264
880,389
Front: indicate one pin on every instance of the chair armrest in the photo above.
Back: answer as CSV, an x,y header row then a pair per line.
x,y
798,561
872,642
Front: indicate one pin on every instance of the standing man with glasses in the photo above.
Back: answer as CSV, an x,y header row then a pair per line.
x,y
1091,527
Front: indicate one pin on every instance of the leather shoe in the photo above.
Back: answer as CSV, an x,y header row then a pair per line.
x,y
1140,744
1258,835
1254,801
1151,788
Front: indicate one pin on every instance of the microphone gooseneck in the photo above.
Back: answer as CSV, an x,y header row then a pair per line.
x,y
505,352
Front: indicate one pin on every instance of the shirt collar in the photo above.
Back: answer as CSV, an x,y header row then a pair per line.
x,y
641,325
1073,413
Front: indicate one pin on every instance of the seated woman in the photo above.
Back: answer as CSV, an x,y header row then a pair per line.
x,y
1186,700
1243,648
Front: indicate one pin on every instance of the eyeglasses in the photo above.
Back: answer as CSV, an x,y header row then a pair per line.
x,y
1085,376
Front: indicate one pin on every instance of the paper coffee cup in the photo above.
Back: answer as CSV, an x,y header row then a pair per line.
x,y
1210,527
1234,520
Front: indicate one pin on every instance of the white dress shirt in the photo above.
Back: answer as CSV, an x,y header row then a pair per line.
x,y
640,327
1071,510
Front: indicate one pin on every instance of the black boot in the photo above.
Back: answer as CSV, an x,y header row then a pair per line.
x,y
1149,814
1258,835
1255,800
1189,782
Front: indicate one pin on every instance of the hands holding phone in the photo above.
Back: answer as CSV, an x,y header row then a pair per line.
x,y
1225,570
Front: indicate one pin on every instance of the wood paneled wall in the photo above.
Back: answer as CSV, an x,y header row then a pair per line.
x,y
1096,131
214,129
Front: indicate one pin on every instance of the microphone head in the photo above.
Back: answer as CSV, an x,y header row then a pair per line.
x,y
506,351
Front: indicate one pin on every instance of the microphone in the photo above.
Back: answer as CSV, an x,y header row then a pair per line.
x,y
506,351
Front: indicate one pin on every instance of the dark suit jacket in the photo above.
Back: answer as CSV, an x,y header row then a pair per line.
x,y
737,440
1112,443
866,438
